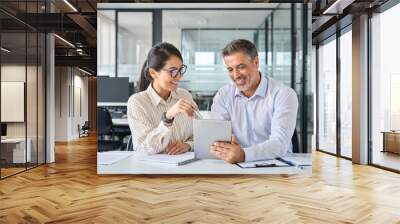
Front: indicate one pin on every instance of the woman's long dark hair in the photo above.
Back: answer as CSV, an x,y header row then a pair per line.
x,y
158,55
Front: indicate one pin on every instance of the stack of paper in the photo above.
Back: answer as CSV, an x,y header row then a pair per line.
x,y
176,160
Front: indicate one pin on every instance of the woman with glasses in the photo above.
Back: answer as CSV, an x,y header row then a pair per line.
x,y
160,115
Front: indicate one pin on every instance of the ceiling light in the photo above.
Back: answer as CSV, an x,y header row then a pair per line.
x,y
65,41
337,7
70,5
84,71
5,50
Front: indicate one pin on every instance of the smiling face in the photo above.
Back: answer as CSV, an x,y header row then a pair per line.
x,y
243,71
162,80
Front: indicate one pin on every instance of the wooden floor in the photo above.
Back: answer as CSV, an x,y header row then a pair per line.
x,y
386,159
70,191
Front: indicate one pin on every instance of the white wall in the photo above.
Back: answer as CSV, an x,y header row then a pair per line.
x,y
70,83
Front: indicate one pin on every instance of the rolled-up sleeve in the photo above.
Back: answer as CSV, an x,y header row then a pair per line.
x,y
282,128
145,136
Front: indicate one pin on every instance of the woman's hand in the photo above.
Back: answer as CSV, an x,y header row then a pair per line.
x,y
177,148
182,106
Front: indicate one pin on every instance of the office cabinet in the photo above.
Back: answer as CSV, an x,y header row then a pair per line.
x,y
391,142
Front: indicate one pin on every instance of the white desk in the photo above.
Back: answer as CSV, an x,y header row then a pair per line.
x,y
18,150
131,165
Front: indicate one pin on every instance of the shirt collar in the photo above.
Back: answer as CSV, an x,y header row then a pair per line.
x,y
156,99
261,89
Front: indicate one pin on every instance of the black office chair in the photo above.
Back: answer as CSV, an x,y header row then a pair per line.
x,y
129,145
295,142
105,128
84,129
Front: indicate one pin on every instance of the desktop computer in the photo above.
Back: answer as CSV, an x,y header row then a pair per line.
x,y
3,130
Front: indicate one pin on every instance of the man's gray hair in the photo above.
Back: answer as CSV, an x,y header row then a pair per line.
x,y
242,45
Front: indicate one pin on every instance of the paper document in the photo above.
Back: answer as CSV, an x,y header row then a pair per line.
x,y
263,163
176,160
299,161
110,157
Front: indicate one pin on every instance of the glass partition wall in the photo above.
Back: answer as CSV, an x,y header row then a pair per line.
x,y
385,90
22,77
125,36
334,94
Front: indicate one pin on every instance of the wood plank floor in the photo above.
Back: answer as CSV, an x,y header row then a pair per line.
x,y
70,191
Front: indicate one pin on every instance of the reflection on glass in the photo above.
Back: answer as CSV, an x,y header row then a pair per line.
x,y
13,86
346,94
385,114
327,97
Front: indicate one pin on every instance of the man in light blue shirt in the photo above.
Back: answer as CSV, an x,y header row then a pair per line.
x,y
263,111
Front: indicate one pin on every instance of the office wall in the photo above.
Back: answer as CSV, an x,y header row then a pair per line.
x,y
71,102
17,73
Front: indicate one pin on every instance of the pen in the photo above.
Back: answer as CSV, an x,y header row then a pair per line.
x,y
265,165
287,162
198,114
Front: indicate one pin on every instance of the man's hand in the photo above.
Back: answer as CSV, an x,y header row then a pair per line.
x,y
230,152
177,148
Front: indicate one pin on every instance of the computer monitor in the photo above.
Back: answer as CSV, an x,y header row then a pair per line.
x,y
3,129
112,89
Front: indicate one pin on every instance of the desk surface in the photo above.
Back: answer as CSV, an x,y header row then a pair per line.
x,y
132,165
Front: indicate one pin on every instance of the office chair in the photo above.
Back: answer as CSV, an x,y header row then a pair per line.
x,y
105,128
295,142
84,129
129,145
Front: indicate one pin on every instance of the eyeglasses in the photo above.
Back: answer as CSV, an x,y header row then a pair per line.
x,y
175,71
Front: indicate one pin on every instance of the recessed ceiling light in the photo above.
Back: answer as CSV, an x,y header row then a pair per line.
x,y
70,5
84,71
64,40
5,50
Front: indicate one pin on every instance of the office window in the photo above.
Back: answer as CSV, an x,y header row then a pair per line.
x,y
346,94
200,35
282,47
204,60
135,34
106,43
385,89
13,84
327,96
22,94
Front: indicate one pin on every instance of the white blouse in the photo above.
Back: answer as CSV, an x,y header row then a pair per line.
x,y
149,134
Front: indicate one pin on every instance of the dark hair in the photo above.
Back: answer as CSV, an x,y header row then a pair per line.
x,y
242,45
158,55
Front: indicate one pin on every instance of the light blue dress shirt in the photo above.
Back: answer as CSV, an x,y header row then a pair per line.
x,y
263,123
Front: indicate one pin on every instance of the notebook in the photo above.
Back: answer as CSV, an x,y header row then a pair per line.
x,y
176,160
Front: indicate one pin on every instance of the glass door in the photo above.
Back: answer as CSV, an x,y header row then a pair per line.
x,y
326,134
